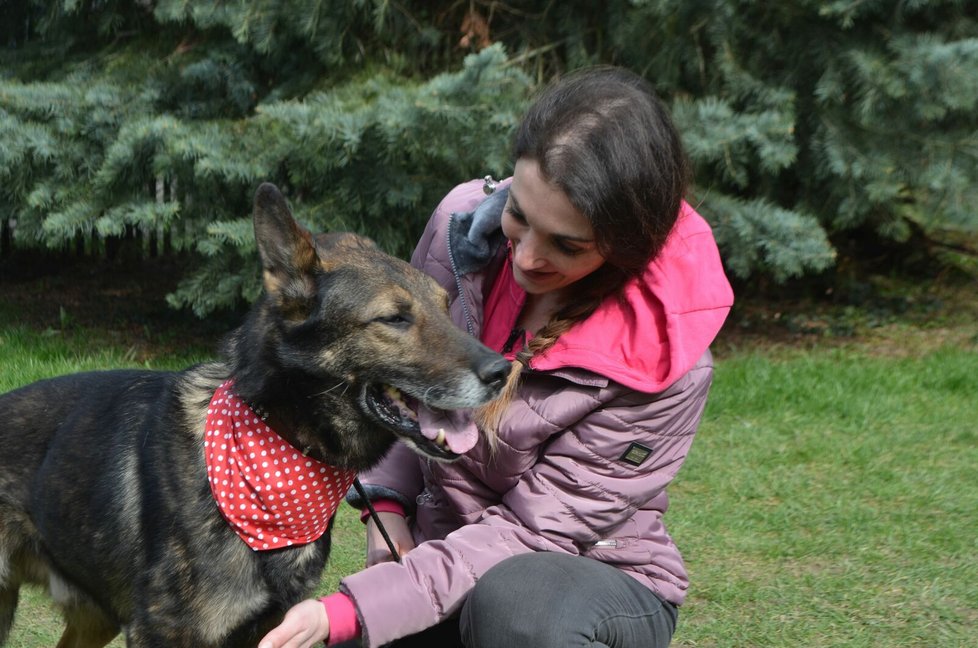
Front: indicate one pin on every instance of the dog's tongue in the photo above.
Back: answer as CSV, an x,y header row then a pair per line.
x,y
461,433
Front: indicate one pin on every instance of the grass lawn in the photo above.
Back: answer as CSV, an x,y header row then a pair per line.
x,y
831,497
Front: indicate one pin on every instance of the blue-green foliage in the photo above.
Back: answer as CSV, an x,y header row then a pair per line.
x,y
804,120
844,115
169,130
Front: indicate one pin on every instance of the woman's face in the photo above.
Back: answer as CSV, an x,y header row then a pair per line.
x,y
553,243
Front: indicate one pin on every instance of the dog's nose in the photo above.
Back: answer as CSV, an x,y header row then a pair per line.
x,y
493,371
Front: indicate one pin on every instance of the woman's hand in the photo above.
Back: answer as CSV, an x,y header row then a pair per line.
x,y
305,625
399,532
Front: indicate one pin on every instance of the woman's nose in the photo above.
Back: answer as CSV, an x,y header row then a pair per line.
x,y
527,254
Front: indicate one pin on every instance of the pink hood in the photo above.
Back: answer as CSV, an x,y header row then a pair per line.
x,y
665,321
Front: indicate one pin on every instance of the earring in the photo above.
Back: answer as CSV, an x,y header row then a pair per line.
x,y
488,185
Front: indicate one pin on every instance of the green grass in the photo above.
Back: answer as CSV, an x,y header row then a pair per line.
x,y
831,497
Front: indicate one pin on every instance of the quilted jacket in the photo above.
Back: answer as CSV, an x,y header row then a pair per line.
x,y
599,427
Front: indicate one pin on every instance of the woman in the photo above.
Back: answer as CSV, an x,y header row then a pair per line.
x,y
589,270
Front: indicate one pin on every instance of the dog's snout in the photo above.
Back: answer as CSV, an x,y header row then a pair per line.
x,y
493,370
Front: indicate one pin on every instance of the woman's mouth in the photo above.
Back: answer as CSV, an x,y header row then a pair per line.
x,y
537,276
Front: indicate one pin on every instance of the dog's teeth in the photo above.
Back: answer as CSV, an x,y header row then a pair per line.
x,y
395,395
440,439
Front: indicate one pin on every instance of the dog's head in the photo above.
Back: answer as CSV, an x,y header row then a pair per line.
x,y
362,335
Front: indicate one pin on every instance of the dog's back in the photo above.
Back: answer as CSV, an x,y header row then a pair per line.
x,y
40,419
69,450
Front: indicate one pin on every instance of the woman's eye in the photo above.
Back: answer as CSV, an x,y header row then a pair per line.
x,y
566,249
517,216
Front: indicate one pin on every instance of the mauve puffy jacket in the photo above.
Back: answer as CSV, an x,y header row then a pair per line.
x,y
598,429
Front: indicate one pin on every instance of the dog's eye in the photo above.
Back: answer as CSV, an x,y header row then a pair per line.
x,y
397,319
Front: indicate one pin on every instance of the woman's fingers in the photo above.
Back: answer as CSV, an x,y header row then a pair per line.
x,y
305,625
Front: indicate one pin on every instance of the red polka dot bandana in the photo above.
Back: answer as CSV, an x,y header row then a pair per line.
x,y
272,495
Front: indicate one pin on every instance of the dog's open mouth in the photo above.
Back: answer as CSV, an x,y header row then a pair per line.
x,y
398,413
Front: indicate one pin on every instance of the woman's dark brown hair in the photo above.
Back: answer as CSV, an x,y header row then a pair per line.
x,y
602,137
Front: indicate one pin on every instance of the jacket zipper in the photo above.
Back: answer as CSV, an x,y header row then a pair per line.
x,y
458,278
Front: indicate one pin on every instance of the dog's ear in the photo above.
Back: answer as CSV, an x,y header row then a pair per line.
x,y
288,254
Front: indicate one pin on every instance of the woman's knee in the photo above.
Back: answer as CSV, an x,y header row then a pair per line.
x,y
529,583
556,600
526,572
525,600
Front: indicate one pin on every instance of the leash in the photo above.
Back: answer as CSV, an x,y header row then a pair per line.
x,y
376,518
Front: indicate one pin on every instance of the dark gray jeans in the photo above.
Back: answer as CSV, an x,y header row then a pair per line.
x,y
548,600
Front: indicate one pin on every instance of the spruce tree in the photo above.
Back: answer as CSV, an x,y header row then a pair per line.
x,y
809,123
844,117
165,116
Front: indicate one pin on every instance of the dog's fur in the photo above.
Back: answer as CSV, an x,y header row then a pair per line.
x,y
104,496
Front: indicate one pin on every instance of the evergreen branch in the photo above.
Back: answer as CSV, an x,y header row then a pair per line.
x,y
516,61
930,241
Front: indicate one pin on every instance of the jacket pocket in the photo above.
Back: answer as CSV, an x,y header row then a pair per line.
x,y
625,547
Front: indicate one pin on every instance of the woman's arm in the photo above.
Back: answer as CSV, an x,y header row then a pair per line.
x,y
579,492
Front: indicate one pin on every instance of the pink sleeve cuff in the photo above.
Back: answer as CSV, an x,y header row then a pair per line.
x,y
382,506
343,622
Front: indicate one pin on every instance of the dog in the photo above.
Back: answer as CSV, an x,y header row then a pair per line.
x,y
109,481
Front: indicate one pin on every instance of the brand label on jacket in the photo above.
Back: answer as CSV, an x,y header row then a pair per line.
x,y
636,454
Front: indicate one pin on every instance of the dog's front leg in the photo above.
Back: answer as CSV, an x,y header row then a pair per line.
x,y
141,635
87,628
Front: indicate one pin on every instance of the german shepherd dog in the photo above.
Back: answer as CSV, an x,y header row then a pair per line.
x,y
105,498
